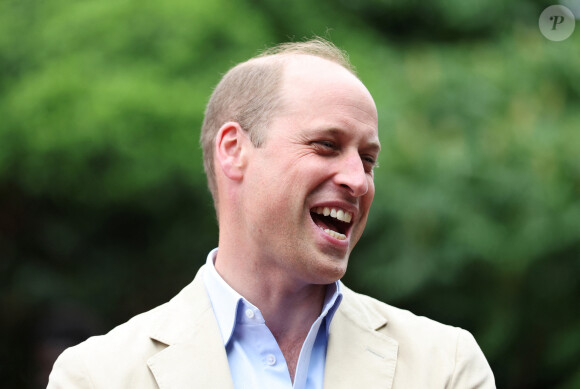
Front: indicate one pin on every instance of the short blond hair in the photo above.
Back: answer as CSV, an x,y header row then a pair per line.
x,y
249,94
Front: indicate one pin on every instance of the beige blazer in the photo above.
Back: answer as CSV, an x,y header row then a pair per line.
x,y
178,345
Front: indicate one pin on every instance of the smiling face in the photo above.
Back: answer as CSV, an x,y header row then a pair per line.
x,y
307,190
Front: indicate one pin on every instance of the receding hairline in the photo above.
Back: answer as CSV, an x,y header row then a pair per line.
x,y
290,67
316,47
286,58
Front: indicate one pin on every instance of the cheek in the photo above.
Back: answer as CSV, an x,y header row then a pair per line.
x,y
306,174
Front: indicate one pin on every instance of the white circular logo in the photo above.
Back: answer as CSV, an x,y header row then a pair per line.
x,y
557,23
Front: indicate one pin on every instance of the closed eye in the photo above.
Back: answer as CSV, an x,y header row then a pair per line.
x,y
325,146
370,160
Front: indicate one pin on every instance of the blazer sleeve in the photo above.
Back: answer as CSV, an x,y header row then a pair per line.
x,y
69,371
471,368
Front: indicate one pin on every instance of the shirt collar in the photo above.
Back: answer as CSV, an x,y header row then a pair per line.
x,y
331,302
225,300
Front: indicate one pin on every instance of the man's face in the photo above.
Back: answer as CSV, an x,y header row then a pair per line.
x,y
308,189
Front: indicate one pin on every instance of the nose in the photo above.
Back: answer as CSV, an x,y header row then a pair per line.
x,y
351,175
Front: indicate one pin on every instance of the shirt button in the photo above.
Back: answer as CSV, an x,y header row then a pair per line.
x,y
249,313
271,359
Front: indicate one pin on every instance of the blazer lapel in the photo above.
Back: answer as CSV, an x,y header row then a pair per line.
x,y
195,356
358,356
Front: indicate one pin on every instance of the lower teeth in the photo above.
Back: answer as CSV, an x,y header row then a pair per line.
x,y
334,234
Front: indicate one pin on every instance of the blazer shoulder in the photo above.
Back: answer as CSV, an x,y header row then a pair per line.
x,y
122,353
126,347
380,314
446,354
162,323
134,333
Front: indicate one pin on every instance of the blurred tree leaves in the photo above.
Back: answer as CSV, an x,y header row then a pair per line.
x,y
476,220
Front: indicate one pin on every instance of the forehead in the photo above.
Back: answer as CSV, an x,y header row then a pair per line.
x,y
324,96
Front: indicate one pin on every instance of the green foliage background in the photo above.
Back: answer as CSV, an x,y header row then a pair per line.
x,y
476,221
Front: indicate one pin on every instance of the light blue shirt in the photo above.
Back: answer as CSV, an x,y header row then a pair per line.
x,y
254,356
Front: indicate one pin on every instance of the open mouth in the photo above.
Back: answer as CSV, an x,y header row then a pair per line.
x,y
333,221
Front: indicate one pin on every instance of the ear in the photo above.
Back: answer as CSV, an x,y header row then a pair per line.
x,y
231,149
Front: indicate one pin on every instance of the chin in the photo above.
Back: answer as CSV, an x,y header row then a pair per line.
x,y
331,270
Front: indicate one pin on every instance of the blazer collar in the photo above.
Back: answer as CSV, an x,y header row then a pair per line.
x,y
358,356
194,355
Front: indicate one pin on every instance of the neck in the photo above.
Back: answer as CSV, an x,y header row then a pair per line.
x,y
288,306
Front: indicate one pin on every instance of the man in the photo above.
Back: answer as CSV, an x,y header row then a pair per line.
x,y
290,139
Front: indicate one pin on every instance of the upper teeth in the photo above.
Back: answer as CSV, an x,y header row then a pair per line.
x,y
336,213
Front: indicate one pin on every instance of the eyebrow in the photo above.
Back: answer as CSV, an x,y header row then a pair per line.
x,y
372,145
